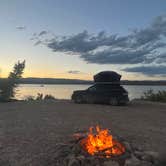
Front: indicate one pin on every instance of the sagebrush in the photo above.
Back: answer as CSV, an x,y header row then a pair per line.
x,y
150,95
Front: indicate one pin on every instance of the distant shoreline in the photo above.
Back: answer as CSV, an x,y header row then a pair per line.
x,y
91,84
86,82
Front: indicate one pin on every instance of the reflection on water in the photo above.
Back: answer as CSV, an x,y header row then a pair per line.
x,y
65,91
58,91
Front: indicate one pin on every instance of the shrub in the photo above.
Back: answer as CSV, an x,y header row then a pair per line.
x,y
40,96
160,96
29,98
48,97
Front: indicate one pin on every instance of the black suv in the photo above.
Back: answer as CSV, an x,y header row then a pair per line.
x,y
109,93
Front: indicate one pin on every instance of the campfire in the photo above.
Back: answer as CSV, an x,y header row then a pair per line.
x,y
97,147
102,144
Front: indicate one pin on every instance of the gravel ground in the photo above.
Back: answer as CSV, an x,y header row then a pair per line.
x,y
30,130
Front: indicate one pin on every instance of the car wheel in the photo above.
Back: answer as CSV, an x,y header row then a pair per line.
x,y
78,100
90,101
113,101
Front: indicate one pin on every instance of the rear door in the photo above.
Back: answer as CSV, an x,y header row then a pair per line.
x,y
94,94
99,93
91,94
104,92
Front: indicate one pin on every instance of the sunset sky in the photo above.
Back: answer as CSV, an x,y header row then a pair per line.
x,y
78,38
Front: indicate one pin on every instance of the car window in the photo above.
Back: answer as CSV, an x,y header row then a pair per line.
x,y
100,87
107,87
92,88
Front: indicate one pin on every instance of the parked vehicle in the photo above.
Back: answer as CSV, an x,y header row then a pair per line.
x,y
103,91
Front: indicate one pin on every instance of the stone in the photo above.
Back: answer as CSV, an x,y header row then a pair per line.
x,y
133,161
150,156
93,161
137,148
138,154
72,154
76,149
110,163
62,151
161,159
145,163
152,153
70,157
128,146
81,157
73,162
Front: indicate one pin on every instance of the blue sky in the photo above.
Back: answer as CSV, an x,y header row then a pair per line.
x,y
21,19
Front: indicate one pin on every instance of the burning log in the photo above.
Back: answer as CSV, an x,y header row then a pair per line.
x,y
99,148
100,142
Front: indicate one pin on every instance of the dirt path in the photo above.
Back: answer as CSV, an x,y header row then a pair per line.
x,y
30,130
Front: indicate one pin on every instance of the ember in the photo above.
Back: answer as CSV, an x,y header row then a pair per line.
x,y
101,143
99,148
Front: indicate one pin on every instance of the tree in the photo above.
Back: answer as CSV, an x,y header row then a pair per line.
x,y
8,86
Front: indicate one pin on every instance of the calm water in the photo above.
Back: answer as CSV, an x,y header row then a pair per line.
x,y
65,91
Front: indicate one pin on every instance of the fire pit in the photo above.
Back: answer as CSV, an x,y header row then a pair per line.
x,y
99,148
101,144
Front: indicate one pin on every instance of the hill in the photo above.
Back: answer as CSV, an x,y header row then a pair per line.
x,y
33,80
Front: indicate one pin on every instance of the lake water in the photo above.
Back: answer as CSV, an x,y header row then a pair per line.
x,y
65,91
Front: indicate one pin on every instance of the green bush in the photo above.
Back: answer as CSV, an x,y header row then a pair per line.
x,y
49,97
40,96
160,96
29,98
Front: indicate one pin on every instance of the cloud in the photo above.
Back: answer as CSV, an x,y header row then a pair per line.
x,y
37,43
161,58
118,56
21,27
84,42
140,46
144,46
42,33
148,70
74,72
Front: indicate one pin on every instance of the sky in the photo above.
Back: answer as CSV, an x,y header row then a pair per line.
x,y
78,38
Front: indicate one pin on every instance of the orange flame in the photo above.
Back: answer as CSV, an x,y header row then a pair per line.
x,y
102,143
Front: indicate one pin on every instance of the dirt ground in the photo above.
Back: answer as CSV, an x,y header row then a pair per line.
x,y
30,130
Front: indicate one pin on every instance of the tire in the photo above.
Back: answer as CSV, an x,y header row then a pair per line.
x,y
113,101
90,101
78,100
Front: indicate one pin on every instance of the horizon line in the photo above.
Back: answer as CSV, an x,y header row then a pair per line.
x,y
73,79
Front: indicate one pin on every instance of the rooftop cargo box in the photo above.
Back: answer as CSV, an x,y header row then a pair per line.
x,y
107,76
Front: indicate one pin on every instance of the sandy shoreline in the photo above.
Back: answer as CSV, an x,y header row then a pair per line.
x,y
30,130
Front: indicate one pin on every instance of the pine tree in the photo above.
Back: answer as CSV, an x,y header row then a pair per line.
x,y
8,86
